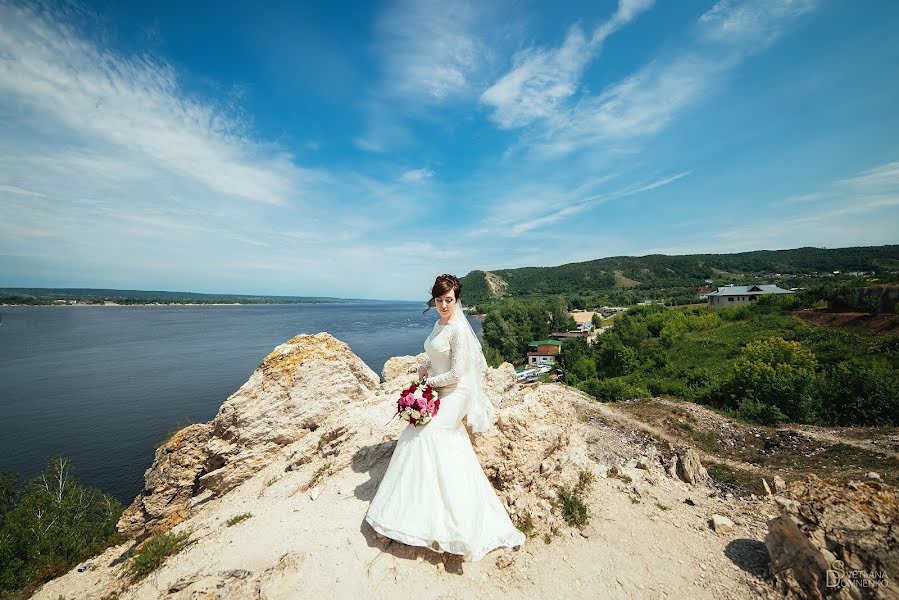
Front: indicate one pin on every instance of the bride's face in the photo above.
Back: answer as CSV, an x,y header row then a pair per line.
x,y
446,303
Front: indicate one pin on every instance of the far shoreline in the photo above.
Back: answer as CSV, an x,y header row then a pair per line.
x,y
176,304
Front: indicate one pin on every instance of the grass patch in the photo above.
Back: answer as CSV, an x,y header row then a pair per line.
x,y
319,473
238,518
571,501
154,551
172,432
525,523
737,482
618,474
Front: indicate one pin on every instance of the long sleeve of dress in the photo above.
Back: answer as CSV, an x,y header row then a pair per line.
x,y
457,360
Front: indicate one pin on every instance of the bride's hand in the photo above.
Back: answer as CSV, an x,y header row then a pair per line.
x,y
422,372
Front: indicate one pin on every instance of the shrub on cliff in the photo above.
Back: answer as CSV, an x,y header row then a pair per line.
x,y
50,525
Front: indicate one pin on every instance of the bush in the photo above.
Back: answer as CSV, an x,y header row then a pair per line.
x,y
736,313
51,524
154,551
761,413
613,389
614,358
777,373
571,501
853,394
669,387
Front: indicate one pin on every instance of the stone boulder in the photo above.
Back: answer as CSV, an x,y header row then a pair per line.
x,y
684,464
169,483
534,434
835,540
288,396
403,366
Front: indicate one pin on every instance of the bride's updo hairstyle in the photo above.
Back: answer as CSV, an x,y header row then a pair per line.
x,y
442,285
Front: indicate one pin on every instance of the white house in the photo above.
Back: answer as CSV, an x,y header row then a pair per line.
x,y
734,295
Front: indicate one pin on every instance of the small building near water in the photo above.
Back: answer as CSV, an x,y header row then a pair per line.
x,y
735,295
543,352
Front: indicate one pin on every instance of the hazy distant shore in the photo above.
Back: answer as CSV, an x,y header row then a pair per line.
x,y
171,304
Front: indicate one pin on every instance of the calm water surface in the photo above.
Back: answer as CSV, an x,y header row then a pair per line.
x,y
103,385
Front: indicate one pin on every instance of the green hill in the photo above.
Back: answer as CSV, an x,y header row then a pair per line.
x,y
656,272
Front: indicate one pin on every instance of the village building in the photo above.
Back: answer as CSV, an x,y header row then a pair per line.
x,y
543,352
735,295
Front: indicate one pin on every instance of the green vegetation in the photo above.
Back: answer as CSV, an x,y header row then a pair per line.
x,y
512,325
625,280
525,523
738,482
238,518
51,524
318,474
154,551
571,501
754,362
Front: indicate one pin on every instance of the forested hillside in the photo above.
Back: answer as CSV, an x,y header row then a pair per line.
x,y
633,276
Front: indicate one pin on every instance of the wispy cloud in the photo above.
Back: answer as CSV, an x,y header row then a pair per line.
x,y
840,212
741,22
533,208
11,189
416,175
645,102
114,172
543,79
884,178
429,49
134,105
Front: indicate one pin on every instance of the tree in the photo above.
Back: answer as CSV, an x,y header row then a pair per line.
x,y
775,372
55,520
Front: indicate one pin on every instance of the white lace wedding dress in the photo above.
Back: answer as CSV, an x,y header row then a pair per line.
x,y
434,492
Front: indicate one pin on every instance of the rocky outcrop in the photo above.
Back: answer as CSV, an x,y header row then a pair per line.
x,y
402,366
685,464
299,385
272,494
835,540
170,484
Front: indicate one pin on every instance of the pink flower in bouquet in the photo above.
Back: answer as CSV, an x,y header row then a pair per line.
x,y
418,403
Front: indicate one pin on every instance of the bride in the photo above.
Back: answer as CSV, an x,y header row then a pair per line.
x,y
434,492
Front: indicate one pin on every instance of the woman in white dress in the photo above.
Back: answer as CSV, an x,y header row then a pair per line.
x,y
434,492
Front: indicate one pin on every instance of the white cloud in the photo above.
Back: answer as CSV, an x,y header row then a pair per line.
x,y
112,172
368,145
840,214
60,83
884,178
416,175
796,198
755,21
533,208
543,79
429,49
645,102
11,189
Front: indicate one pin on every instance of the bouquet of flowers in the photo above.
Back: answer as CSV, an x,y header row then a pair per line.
x,y
418,403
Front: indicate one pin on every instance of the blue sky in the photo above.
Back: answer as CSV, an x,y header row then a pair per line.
x,y
361,149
